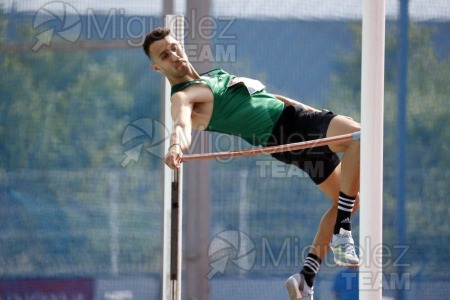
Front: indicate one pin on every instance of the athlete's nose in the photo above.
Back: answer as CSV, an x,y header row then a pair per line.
x,y
175,56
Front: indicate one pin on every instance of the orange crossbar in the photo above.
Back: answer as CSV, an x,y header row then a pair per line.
x,y
274,149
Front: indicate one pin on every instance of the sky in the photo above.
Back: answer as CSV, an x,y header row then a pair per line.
x,y
293,9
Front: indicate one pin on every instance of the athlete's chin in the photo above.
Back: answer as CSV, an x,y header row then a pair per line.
x,y
182,69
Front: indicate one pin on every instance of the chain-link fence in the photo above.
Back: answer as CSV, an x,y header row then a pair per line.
x,y
80,165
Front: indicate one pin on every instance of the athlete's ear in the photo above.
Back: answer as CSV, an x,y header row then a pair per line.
x,y
155,67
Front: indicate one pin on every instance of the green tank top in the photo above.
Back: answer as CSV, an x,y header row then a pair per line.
x,y
241,107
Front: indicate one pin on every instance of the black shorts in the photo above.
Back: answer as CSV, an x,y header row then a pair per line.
x,y
298,125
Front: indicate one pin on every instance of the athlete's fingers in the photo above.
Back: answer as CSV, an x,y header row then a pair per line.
x,y
173,160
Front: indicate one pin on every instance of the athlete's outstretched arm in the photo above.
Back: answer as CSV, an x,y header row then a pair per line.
x,y
180,138
289,101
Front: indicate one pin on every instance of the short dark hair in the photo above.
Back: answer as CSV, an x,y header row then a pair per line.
x,y
153,36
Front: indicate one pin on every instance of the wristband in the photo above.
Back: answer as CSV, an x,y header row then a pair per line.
x,y
175,145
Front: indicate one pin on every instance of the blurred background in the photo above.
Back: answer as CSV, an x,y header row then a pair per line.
x,y
81,159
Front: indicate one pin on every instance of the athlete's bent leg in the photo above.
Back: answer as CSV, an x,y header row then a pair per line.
x,y
330,187
342,242
340,125
321,243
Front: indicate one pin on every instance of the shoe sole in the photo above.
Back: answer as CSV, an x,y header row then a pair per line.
x,y
343,263
293,292
292,286
346,264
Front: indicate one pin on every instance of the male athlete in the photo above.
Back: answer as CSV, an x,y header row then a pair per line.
x,y
218,101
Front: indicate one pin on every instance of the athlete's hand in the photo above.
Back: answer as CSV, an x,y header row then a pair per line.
x,y
174,157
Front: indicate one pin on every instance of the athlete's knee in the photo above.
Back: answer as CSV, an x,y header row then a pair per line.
x,y
351,125
343,125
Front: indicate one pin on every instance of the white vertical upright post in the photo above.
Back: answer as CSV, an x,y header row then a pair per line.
x,y
197,179
114,222
372,106
244,215
173,189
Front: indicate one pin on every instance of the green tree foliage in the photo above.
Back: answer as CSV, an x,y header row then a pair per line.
x,y
62,117
55,118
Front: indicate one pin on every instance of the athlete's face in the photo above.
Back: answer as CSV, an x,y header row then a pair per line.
x,y
169,58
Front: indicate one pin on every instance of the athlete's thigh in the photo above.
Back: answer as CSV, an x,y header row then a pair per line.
x,y
340,125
